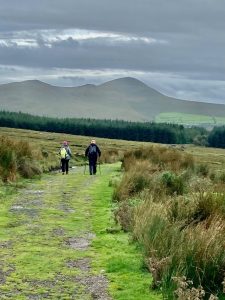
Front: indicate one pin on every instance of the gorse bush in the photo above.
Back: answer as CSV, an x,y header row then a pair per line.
x,y
17,159
178,215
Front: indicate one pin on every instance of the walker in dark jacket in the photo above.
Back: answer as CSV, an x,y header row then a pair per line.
x,y
92,152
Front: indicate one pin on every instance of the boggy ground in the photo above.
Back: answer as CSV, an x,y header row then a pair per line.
x,y
56,242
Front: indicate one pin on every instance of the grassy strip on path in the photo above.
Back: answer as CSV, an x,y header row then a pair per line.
x,y
54,243
114,254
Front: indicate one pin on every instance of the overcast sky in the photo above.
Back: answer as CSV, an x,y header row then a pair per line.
x,y
174,46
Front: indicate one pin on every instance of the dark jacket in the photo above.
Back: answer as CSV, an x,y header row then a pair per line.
x,y
92,152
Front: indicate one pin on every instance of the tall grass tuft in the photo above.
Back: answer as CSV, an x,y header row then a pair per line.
x,y
194,249
111,156
17,159
167,158
174,184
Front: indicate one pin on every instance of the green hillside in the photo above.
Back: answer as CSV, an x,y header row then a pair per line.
x,y
124,99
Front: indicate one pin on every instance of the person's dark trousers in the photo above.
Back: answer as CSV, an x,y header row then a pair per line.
x,y
92,166
65,165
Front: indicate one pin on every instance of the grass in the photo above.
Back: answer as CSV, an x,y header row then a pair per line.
x,y
49,144
117,257
188,119
36,224
28,235
37,256
177,215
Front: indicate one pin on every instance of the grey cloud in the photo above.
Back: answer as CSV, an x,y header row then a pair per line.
x,y
68,43
51,37
121,16
193,30
176,56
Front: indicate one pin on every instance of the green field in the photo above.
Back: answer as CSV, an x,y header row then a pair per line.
x,y
189,119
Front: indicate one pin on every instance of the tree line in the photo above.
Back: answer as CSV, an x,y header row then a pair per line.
x,y
113,129
216,137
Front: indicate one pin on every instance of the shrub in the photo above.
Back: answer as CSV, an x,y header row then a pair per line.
x,y
209,204
201,140
130,185
173,183
202,169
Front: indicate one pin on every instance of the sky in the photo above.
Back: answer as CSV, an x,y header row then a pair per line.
x,y
174,46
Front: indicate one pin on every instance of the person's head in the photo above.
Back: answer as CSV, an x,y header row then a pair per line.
x,y
65,143
93,142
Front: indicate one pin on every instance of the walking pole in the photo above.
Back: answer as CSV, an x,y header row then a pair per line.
x,y
99,168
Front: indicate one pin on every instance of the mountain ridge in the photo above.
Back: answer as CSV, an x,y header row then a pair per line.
x,y
123,98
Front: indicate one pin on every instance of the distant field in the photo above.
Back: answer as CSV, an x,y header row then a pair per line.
x,y
189,119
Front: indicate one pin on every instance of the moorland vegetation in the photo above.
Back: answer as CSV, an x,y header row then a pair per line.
x,y
175,208
171,202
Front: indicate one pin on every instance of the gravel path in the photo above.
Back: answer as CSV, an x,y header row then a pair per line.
x,y
50,233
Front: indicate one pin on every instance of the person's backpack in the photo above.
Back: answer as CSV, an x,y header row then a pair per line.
x,y
92,150
63,153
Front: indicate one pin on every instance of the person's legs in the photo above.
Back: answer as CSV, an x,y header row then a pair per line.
x,y
63,164
94,167
91,170
67,166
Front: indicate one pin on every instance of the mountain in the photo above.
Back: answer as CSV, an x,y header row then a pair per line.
x,y
124,98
